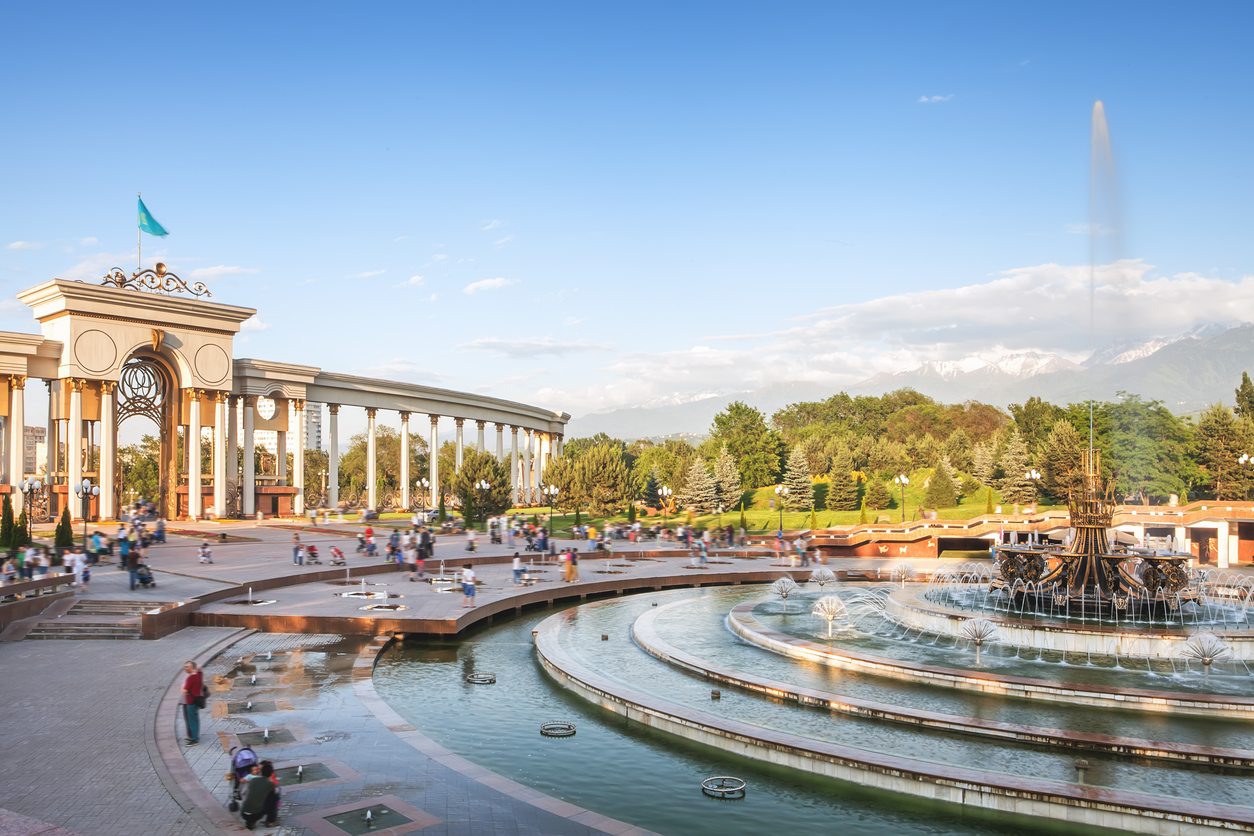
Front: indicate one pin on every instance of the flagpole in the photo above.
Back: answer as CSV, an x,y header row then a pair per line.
x,y
139,240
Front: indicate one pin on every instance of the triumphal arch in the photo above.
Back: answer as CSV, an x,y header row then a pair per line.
x,y
150,344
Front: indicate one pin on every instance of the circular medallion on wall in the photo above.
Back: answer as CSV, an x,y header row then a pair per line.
x,y
95,351
266,408
212,364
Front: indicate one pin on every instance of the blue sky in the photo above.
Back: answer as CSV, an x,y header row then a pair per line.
x,y
595,205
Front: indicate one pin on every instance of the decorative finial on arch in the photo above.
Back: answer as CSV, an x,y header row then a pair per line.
x,y
158,279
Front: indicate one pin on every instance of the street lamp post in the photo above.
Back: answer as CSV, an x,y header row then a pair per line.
x,y
781,491
482,486
551,491
421,487
85,492
664,494
29,486
1033,476
903,480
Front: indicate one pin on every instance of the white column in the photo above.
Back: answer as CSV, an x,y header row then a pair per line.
x,y
544,460
298,459
1182,540
108,450
193,456
248,490
17,428
433,461
1221,544
333,457
74,448
219,454
372,490
558,447
232,446
280,447
513,465
405,461
459,421
51,451
500,442
479,436
526,468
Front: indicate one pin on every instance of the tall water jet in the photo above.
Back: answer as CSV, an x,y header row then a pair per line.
x,y
1105,220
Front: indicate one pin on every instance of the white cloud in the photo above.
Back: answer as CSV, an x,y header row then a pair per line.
x,y
572,321
533,347
501,242
24,245
93,267
89,241
934,99
399,368
438,257
487,284
434,297
220,270
254,323
369,274
488,226
400,238
413,281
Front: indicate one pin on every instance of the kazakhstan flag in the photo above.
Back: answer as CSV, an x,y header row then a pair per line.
x,y
147,222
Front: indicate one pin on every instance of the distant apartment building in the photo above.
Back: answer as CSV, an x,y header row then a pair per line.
x,y
34,445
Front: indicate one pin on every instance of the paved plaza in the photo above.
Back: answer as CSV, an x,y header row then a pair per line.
x,y
95,719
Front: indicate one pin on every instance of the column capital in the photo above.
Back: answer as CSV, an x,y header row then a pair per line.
x,y
77,384
371,412
222,397
248,400
107,387
404,417
17,381
298,404
435,419
459,421
513,430
333,408
481,424
195,394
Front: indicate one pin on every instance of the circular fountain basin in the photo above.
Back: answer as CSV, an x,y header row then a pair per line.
x,y
912,608
371,596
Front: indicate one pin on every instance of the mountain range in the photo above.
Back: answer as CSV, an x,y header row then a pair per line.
x,y
1187,372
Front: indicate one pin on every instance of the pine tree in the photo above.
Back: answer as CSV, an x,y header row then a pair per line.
x,y
727,479
797,481
983,465
1219,448
64,536
1061,460
1015,463
988,504
699,493
877,495
6,523
603,478
650,496
631,512
862,516
842,494
941,490
21,532
1245,397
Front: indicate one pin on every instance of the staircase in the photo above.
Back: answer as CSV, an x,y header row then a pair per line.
x,y
95,618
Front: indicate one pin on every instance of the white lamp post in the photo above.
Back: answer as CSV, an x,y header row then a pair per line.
x,y
903,480
85,492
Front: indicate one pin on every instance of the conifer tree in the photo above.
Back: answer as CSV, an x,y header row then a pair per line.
x,y
21,531
650,497
727,479
1245,397
877,495
842,493
941,490
64,536
983,465
699,495
1015,462
6,523
862,516
797,480
1061,459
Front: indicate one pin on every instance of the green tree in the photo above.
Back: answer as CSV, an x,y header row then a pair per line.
x,y
959,450
21,531
941,491
842,493
877,496
666,463
478,502
1245,397
603,479
700,493
756,449
1220,444
387,462
6,523
1061,468
1034,419
727,480
1016,487
563,474
650,495
64,535
800,487
983,463
140,469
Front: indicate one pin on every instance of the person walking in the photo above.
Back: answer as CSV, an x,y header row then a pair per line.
x,y
574,565
470,539
518,569
191,701
257,795
206,553
296,547
132,566
77,562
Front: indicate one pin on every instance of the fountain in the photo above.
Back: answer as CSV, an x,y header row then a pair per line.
x,y
831,609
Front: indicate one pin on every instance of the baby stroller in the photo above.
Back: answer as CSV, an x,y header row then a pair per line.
x,y
532,545
311,555
144,575
243,759
361,543
337,557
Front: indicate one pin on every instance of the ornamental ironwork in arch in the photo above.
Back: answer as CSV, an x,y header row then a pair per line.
x,y
142,390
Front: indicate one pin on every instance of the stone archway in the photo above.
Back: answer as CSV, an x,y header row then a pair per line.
x,y
148,387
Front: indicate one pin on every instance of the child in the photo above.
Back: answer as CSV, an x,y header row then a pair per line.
x,y
206,553
468,586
